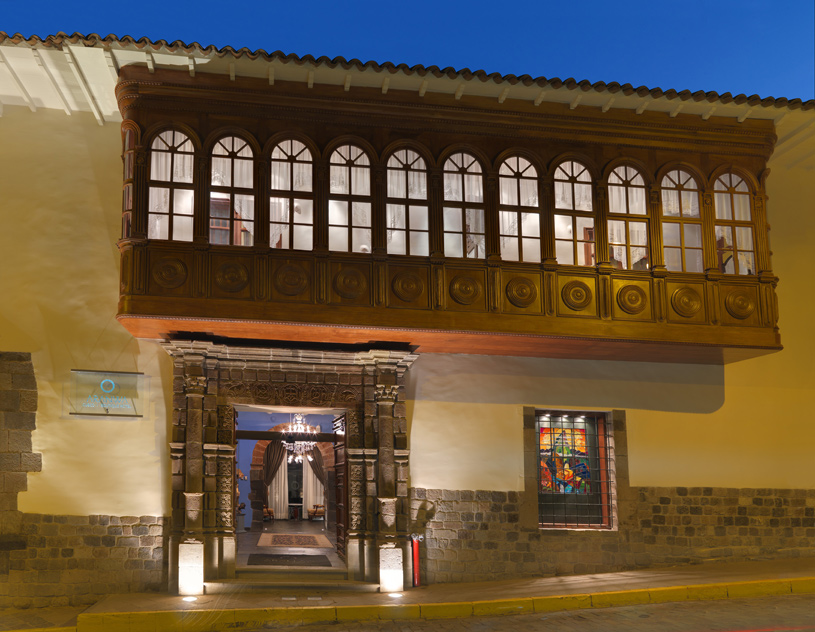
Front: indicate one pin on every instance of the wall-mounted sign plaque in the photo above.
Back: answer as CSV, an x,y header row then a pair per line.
x,y
106,393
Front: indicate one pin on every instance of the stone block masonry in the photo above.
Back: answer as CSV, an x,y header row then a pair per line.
x,y
76,560
477,535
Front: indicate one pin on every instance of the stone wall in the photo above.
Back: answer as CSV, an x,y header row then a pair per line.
x,y
76,560
481,535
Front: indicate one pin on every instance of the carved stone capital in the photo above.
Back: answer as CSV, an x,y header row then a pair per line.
x,y
386,393
195,386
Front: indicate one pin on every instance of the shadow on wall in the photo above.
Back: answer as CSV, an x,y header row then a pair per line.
x,y
688,388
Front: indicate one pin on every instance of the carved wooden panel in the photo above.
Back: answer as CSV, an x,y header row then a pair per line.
x,y
740,305
521,293
466,289
577,296
292,280
350,283
686,302
170,272
231,276
632,299
409,286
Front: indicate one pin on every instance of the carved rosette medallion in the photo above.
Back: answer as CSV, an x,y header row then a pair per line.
x,y
262,392
686,302
407,286
169,272
740,303
521,292
576,295
350,283
465,290
291,280
232,277
632,299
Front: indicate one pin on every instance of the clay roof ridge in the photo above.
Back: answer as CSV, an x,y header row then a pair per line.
x,y
94,39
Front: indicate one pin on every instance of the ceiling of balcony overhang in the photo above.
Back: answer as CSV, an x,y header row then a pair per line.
x,y
76,73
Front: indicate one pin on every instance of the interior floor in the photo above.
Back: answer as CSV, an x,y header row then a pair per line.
x,y
248,544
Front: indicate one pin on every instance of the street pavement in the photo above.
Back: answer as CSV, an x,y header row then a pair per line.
x,y
762,614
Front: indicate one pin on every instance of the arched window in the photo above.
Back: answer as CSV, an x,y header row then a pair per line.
x,y
231,198
291,205
170,192
519,211
627,237
349,204
406,210
735,248
681,222
574,215
464,234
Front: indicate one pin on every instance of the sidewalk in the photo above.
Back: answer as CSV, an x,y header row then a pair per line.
x,y
245,610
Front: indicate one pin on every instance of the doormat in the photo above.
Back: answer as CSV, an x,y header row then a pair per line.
x,y
262,559
294,539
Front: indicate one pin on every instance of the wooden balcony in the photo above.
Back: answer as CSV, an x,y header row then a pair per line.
x,y
446,306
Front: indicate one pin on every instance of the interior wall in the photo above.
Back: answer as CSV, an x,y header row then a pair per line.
x,y
743,425
60,178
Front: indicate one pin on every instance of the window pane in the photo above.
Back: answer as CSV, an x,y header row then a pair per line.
x,y
453,245
418,217
690,204
744,238
302,176
281,173
419,244
158,226
723,206
673,259
302,238
182,228
582,195
638,232
221,172
395,216
742,207
585,254
396,184
475,220
160,166
159,201
693,261
472,188
279,235
360,214
724,237
182,168
338,239
671,235
339,179
563,196
529,192
532,250
670,203
617,257
746,263
509,191
360,181
563,227
396,242
585,228
182,202
453,187
636,200
616,232
639,259
530,226
303,211
243,174
475,246
278,209
693,236
564,252
452,220
243,233
417,184
509,222
361,240
509,248
616,199
338,213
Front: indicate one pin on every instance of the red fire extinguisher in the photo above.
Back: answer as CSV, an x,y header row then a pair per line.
x,y
415,538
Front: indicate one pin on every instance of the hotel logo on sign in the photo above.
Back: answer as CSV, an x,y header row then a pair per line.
x,y
109,394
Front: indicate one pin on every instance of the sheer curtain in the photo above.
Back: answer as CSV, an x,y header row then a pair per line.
x,y
279,493
313,490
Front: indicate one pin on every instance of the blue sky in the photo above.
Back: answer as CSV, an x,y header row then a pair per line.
x,y
764,47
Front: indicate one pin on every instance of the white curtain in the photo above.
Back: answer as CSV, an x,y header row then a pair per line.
x,y
313,490
279,493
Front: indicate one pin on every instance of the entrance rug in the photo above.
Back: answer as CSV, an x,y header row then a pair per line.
x,y
294,539
258,559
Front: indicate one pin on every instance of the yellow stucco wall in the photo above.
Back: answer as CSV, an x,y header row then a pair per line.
x,y
60,179
746,424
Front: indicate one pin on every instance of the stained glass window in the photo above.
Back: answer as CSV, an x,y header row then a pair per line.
x,y
574,480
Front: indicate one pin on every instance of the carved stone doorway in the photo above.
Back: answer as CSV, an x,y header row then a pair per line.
x,y
210,379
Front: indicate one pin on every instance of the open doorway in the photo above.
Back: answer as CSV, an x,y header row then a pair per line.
x,y
287,494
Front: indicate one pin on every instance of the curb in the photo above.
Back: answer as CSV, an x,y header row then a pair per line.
x,y
248,618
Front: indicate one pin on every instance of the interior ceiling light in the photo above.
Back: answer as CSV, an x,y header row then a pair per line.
x,y
299,449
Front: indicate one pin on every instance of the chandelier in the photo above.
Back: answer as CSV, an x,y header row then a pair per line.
x,y
299,449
